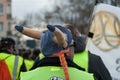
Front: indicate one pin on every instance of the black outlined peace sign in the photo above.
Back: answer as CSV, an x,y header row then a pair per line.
x,y
106,29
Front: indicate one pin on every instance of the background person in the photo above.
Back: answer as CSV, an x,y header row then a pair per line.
x,y
7,50
84,58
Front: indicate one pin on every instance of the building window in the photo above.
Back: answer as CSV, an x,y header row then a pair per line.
x,y
9,16
1,26
9,0
1,9
9,29
9,11
9,26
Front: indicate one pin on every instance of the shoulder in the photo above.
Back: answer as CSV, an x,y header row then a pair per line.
x,y
92,55
94,59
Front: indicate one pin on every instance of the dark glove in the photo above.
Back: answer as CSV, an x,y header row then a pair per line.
x,y
51,28
19,28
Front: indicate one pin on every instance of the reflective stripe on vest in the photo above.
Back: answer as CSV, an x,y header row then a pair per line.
x,y
10,62
55,73
81,59
15,68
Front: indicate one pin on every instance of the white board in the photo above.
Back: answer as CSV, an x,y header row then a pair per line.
x,y
106,40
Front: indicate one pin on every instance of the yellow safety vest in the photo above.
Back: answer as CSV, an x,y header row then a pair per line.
x,y
28,63
41,56
53,72
81,59
10,62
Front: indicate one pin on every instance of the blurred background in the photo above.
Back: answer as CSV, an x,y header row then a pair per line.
x,y
37,13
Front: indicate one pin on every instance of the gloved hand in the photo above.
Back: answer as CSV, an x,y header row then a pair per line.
x,y
19,28
51,28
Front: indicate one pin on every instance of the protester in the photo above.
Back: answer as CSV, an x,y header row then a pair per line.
x,y
84,58
27,60
55,46
35,53
7,52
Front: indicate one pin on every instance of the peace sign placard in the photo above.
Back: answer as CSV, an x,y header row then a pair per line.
x,y
105,25
106,29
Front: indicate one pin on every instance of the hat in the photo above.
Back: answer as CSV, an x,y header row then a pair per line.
x,y
7,41
48,45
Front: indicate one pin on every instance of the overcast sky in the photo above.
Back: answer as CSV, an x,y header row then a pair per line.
x,y
22,7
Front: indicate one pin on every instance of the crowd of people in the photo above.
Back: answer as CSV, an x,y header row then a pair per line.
x,y
26,58
63,56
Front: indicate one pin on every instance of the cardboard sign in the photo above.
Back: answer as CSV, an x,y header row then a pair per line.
x,y
106,40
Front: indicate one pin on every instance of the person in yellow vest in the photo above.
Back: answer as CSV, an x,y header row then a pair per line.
x,y
84,58
27,60
28,64
15,63
35,53
56,45
34,56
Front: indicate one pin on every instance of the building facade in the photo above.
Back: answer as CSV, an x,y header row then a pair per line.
x,y
5,17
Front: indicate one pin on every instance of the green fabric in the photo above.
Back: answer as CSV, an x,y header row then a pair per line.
x,y
41,56
81,59
10,62
28,63
46,73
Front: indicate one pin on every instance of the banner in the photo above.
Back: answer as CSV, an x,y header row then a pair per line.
x,y
106,40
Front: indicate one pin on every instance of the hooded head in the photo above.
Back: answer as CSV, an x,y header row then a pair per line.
x,y
48,43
